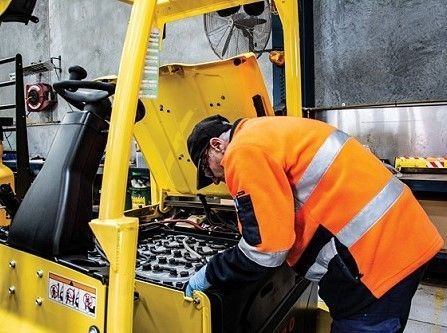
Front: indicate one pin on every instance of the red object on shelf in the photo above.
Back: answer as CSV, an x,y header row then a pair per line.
x,y
39,97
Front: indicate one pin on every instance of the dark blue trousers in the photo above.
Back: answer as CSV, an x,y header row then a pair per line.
x,y
388,314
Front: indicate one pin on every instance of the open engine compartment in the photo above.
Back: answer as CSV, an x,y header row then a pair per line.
x,y
173,246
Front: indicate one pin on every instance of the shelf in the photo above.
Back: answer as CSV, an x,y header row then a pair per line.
x,y
426,182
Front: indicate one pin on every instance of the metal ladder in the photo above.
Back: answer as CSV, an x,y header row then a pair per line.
x,y
24,174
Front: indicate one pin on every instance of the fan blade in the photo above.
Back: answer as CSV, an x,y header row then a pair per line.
x,y
227,41
250,22
251,44
248,33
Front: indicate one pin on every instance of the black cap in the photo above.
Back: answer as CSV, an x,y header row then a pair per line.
x,y
198,140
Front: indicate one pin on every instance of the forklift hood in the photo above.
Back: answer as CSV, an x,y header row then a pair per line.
x,y
233,88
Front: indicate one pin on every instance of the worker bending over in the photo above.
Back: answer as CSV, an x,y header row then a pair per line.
x,y
311,195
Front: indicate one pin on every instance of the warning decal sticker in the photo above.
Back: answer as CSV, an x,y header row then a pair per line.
x,y
73,294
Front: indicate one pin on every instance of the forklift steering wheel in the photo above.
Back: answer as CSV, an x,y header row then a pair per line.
x,y
68,90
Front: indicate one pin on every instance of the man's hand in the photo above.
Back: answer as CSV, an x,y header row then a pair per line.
x,y
197,282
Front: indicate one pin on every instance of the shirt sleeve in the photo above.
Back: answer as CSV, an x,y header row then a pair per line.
x,y
265,209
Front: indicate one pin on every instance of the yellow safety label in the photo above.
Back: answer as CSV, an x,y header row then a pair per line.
x,y
138,201
72,294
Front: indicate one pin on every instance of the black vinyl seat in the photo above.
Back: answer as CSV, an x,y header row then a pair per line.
x,y
53,218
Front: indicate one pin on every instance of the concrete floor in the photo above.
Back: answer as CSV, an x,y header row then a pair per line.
x,y
428,312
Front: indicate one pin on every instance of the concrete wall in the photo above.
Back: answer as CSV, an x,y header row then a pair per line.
x,y
380,51
32,42
365,51
90,34
83,32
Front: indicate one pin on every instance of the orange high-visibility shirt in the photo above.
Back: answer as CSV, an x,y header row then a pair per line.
x,y
311,195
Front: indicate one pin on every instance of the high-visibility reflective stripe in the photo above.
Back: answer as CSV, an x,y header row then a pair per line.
x,y
371,213
266,259
321,162
357,227
319,267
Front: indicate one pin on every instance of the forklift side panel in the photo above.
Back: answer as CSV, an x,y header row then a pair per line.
x,y
41,296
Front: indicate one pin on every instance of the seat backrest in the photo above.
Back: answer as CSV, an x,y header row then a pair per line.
x,y
53,218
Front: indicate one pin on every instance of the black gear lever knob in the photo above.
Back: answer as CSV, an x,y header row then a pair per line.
x,y
77,73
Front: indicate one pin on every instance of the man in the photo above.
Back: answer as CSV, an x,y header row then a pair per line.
x,y
309,194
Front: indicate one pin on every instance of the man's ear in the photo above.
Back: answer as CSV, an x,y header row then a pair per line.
x,y
216,144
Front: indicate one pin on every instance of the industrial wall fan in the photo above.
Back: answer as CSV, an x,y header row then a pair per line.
x,y
239,29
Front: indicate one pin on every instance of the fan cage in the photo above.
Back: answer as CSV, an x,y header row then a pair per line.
x,y
239,29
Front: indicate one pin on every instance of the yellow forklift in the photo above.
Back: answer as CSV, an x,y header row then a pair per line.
x,y
126,271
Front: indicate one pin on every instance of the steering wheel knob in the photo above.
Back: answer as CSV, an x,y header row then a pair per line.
x,y
77,73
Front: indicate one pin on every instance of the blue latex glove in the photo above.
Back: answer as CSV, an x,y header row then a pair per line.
x,y
197,282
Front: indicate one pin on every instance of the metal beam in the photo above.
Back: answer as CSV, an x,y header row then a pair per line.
x,y
24,174
7,83
306,12
6,60
7,106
